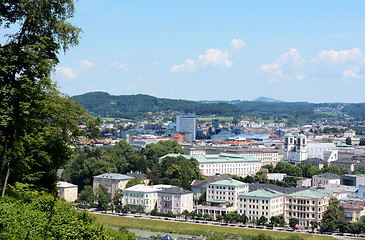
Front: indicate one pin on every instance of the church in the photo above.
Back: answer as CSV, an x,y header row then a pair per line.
x,y
297,149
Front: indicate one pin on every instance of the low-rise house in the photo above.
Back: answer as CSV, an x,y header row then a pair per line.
x,y
304,182
354,211
276,176
67,191
308,205
325,178
112,181
262,202
315,162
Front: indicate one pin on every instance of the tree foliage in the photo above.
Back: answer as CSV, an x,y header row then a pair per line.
x,y
29,214
37,122
332,217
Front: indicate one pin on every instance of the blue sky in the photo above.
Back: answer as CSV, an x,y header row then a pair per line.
x,y
219,50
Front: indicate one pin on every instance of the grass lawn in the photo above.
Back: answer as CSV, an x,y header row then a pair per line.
x,y
221,119
113,119
193,229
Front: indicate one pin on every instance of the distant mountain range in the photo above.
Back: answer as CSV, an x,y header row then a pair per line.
x,y
265,99
138,106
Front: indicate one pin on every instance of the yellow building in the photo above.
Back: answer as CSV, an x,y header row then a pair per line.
x,y
67,191
354,211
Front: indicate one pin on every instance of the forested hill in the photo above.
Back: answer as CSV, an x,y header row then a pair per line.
x,y
135,106
132,106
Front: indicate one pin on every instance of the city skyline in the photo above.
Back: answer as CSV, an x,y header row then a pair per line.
x,y
212,50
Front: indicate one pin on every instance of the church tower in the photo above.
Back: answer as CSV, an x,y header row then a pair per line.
x,y
288,147
301,148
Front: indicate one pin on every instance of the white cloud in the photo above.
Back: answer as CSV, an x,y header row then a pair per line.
x,y
86,63
189,66
237,43
122,67
335,57
215,58
212,58
67,71
285,68
156,63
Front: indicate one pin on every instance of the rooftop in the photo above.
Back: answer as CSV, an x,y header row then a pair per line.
x,y
229,182
328,175
211,179
114,176
263,193
312,193
61,184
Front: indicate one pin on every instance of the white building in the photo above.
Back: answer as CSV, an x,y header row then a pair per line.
x,y
226,190
222,196
297,149
166,198
146,196
175,200
112,181
67,191
187,125
307,205
325,178
262,202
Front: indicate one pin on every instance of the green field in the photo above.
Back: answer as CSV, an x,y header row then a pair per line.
x,y
194,229
221,119
113,119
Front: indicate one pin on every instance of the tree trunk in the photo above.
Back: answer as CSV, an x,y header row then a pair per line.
x,y
3,157
6,180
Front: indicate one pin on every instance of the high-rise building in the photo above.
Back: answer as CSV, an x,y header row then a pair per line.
x,y
186,124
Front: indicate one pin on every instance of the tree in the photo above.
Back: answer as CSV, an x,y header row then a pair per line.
x,y
261,177
348,141
277,221
87,195
203,198
133,182
37,123
244,219
344,226
103,198
140,209
126,208
262,220
314,225
293,222
332,216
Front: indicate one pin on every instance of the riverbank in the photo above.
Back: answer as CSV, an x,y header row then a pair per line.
x,y
196,229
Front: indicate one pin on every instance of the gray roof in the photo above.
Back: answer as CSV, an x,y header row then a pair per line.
x,y
174,190
286,190
328,175
113,176
215,178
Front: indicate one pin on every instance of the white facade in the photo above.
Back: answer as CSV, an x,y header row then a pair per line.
x,y
225,163
297,149
325,178
175,200
262,202
140,194
226,191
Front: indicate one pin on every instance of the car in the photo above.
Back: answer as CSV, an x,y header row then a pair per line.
x,y
295,228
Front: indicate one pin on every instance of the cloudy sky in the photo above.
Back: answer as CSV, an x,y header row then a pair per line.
x,y
219,50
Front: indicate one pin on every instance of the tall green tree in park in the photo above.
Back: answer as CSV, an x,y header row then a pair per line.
x,y
332,217
37,122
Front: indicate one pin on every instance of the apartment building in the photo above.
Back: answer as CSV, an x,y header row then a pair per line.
x,y
175,200
262,202
143,195
112,181
67,191
307,205
325,178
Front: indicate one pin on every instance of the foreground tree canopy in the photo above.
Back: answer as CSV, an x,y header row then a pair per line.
x,y
37,122
29,214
